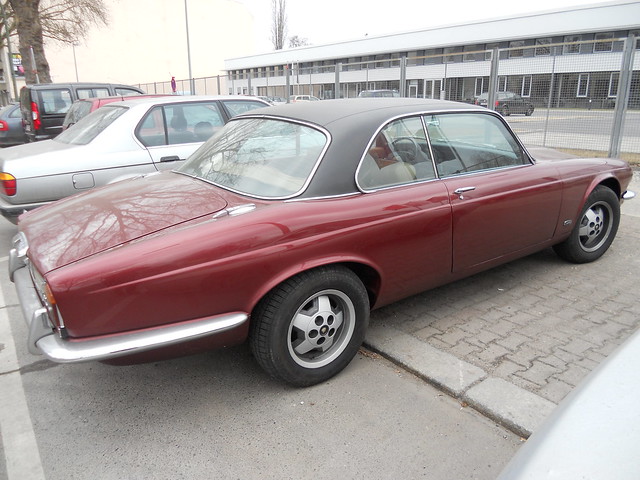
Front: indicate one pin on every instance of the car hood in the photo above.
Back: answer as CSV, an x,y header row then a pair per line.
x,y
86,224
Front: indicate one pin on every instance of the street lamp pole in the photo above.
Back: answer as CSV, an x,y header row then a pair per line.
x,y
186,23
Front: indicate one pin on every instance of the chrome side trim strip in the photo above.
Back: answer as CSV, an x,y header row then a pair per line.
x,y
73,351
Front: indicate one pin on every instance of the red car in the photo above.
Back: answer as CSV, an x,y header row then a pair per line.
x,y
289,225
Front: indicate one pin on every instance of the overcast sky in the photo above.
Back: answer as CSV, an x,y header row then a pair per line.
x,y
329,21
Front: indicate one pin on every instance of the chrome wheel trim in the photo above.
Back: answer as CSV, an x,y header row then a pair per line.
x,y
595,226
321,329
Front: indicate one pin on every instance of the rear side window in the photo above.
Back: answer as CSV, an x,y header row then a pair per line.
x,y
55,100
92,92
181,123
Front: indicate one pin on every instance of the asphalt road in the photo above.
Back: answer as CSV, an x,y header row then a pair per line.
x,y
217,415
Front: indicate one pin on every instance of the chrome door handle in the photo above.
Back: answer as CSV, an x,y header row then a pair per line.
x,y
461,190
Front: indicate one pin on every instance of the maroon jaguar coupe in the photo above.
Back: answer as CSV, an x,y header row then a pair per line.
x,y
291,224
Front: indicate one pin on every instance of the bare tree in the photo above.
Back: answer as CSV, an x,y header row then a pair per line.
x,y
279,25
297,41
65,21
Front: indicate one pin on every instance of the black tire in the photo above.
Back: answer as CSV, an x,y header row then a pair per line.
x,y
505,111
529,111
324,308
596,228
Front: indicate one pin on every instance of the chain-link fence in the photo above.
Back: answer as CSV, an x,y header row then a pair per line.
x,y
582,96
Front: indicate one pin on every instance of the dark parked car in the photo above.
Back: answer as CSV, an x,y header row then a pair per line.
x,y
507,103
291,223
11,129
44,105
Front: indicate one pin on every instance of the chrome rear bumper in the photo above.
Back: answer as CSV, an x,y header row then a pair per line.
x,y
45,340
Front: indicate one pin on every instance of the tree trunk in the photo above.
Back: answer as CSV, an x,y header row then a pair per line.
x,y
31,42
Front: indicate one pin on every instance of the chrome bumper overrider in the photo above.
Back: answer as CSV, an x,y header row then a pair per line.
x,y
43,340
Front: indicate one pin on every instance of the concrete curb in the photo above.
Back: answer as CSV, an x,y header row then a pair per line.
x,y
515,408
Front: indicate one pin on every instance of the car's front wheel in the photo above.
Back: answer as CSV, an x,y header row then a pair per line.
x,y
596,228
308,328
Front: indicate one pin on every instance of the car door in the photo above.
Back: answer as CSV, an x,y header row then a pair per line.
x,y
172,132
501,202
411,239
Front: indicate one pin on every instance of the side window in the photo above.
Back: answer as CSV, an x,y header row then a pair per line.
x,y
125,92
194,122
100,92
84,93
236,107
464,142
398,155
151,131
55,100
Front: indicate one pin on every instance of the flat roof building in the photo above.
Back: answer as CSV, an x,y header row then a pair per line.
x,y
569,57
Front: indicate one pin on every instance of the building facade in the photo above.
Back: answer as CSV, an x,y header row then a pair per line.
x,y
564,58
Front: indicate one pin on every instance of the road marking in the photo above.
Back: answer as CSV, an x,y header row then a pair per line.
x,y
22,456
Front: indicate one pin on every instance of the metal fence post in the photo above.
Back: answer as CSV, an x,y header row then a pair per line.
x,y
288,83
336,93
493,79
403,77
622,98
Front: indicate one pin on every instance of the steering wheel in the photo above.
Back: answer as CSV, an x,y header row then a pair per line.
x,y
408,146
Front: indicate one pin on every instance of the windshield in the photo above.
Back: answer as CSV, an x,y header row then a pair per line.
x,y
90,126
264,158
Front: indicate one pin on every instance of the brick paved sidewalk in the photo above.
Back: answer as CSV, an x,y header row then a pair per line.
x,y
536,326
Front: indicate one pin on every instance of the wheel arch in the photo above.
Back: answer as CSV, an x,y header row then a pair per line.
x,y
368,275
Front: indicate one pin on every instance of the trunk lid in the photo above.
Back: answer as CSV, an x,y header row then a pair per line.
x,y
89,223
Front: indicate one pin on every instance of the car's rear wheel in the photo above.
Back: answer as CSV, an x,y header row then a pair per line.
x,y
595,230
529,111
308,328
505,111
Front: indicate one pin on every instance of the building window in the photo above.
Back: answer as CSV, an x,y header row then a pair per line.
x,y
480,86
526,86
502,84
516,49
573,47
604,42
543,46
452,54
583,85
473,53
613,84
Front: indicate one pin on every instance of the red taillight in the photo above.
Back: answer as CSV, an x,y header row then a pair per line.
x,y
35,115
497,103
4,126
8,184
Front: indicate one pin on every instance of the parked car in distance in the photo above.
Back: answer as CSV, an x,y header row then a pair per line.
x,y
11,129
117,141
378,94
594,432
507,103
44,105
84,106
290,224
303,98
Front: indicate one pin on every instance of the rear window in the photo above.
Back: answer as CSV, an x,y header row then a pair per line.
x,y
56,100
125,92
91,126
